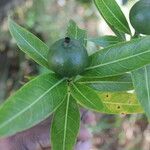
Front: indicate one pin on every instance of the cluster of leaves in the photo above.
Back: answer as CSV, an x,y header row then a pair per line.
x,y
117,68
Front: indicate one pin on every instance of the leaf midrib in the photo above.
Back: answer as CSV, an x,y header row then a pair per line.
x,y
25,109
28,43
115,17
116,103
116,61
147,86
76,32
66,121
105,82
103,40
84,96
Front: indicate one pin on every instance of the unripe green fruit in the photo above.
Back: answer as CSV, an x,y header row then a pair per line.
x,y
140,16
67,57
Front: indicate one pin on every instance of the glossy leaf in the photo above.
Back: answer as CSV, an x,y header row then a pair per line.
x,y
75,32
119,58
141,81
33,103
86,97
112,84
113,14
120,103
65,125
29,44
105,41
119,34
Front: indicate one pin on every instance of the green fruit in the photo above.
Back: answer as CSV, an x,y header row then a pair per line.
x,y
140,16
67,57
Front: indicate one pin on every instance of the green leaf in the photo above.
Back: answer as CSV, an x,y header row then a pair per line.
x,y
75,32
105,41
34,102
86,97
29,44
119,58
120,103
119,34
111,84
113,14
65,125
141,81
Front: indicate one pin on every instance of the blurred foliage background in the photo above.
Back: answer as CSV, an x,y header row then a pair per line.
x,y
48,20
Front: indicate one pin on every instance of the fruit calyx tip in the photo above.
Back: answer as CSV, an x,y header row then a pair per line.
x,y
67,40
